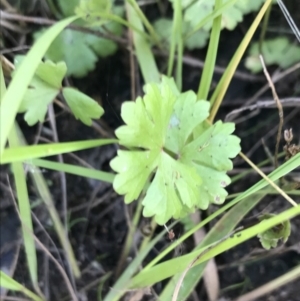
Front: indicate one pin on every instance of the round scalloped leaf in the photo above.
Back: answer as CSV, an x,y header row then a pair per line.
x,y
181,172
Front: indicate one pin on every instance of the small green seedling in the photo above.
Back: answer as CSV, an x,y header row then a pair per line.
x,y
45,86
270,238
173,152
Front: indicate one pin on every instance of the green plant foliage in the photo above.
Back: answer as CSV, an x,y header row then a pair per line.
x,y
82,106
67,7
195,11
273,52
91,10
270,238
45,86
78,49
183,172
163,27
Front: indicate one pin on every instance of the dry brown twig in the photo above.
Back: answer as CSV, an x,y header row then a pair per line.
x,y
280,110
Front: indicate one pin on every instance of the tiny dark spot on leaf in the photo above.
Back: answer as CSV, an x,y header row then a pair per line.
x,y
217,199
223,184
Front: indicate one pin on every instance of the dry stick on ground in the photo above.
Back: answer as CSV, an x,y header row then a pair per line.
x,y
280,110
263,104
276,187
60,268
270,134
275,78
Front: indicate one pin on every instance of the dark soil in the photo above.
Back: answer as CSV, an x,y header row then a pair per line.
x,y
99,215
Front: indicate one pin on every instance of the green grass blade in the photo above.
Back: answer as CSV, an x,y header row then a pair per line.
x,y
25,211
142,47
122,283
43,190
177,265
26,153
23,202
210,61
281,171
275,175
45,195
223,84
75,170
9,283
154,36
176,40
17,88
222,228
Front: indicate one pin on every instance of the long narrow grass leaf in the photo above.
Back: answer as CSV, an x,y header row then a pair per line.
x,y
223,84
222,228
123,281
210,61
17,88
43,190
25,211
75,170
26,153
142,47
11,284
177,265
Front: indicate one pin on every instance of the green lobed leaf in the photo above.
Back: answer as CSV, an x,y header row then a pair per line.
x,y
186,171
70,47
273,51
43,88
270,238
52,73
195,11
80,50
163,27
90,10
82,106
